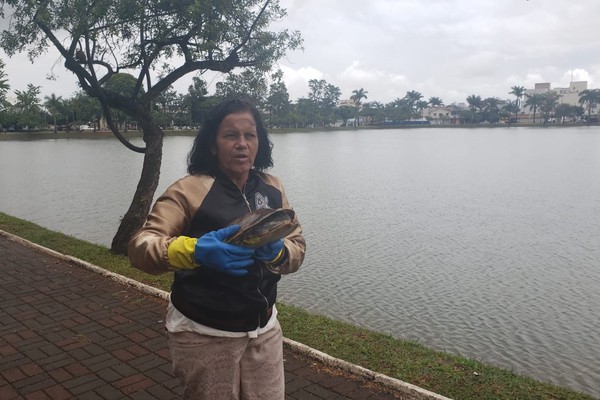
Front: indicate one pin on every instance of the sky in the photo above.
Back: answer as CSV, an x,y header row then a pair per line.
x,y
444,48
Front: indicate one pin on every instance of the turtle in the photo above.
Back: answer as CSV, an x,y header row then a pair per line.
x,y
263,226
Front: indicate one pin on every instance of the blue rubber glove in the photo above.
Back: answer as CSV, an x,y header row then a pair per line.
x,y
270,252
212,252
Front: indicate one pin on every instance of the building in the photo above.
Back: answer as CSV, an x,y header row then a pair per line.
x,y
347,103
442,115
568,95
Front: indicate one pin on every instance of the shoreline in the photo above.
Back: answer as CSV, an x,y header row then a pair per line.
x,y
105,134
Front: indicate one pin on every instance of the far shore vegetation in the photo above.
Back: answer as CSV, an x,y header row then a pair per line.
x,y
41,135
447,374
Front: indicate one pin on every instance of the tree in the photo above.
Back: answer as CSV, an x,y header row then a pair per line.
x,y
518,91
249,84
564,111
88,109
4,87
196,100
173,38
27,107
122,84
590,98
435,102
491,107
375,111
165,108
305,113
398,110
345,113
476,104
548,104
413,97
357,96
4,104
54,105
509,108
420,106
325,98
534,101
278,102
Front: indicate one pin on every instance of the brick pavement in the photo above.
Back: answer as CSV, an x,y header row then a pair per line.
x,y
68,333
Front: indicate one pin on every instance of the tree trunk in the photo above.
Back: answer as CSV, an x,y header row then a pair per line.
x,y
144,194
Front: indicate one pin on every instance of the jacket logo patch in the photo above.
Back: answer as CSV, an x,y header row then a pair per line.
x,y
261,201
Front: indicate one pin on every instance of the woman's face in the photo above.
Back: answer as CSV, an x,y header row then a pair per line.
x,y
236,146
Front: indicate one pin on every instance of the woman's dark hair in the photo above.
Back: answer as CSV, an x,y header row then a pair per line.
x,y
201,158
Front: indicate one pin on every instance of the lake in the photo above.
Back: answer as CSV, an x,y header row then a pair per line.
x,y
482,242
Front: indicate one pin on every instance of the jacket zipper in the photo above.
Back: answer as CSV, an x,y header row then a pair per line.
x,y
259,292
244,197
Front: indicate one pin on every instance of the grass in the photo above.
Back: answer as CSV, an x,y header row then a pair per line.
x,y
450,375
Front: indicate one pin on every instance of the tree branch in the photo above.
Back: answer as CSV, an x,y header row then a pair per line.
x,y
249,33
220,66
115,130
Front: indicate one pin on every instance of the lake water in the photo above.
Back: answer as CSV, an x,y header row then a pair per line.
x,y
482,242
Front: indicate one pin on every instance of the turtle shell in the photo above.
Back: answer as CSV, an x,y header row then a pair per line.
x,y
263,226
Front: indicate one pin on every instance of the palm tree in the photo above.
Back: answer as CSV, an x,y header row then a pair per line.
x,y
413,97
549,103
534,101
373,111
518,91
475,103
53,104
4,86
436,102
357,96
420,106
564,110
491,106
398,110
509,108
590,97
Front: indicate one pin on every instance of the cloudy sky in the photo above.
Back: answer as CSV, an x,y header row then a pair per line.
x,y
445,48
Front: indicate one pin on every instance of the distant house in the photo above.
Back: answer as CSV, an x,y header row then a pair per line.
x,y
347,103
442,115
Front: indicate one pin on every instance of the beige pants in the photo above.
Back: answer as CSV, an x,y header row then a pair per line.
x,y
215,368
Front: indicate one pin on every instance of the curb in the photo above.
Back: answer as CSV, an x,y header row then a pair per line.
x,y
368,375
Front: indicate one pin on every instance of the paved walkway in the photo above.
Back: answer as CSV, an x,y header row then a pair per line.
x,y
69,333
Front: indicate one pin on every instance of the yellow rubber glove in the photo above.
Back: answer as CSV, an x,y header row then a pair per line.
x,y
181,253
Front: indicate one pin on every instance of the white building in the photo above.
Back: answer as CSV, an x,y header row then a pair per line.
x,y
568,95
347,103
441,114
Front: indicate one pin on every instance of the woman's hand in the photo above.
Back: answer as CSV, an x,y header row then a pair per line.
x,y
212,252
270,252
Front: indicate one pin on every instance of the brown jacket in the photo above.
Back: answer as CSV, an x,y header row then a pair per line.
x,y
195,205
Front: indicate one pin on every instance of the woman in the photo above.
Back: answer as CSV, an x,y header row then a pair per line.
x,y
223,333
